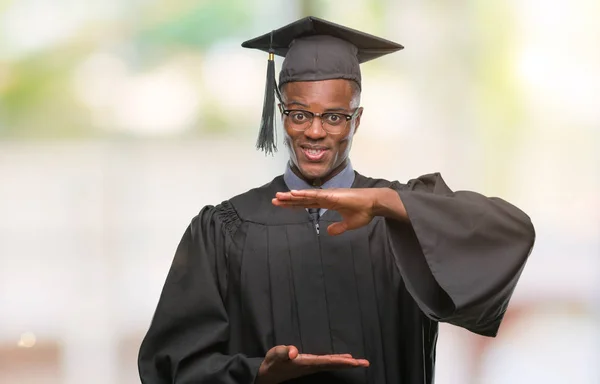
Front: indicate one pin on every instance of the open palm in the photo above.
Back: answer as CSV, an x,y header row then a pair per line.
x,y
355,205
284,362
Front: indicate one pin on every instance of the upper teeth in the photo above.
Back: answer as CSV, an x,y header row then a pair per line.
x,y
314,151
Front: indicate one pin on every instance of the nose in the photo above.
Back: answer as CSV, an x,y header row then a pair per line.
x,y
315,131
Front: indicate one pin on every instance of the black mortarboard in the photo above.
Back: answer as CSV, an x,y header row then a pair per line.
x,y
314,49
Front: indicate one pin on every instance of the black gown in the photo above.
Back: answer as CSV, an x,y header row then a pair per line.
x,y
248,276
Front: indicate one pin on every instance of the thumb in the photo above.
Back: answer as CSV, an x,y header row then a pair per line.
x,y
279,353
285,352
337,228
292,352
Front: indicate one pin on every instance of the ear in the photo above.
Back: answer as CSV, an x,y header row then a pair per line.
x,y
357,119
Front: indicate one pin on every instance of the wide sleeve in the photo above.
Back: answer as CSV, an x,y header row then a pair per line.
x,y
461,253
187,339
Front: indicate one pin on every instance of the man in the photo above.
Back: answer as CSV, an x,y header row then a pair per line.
x,y
324,275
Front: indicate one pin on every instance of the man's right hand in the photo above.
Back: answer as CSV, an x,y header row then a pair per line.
x,y
285,363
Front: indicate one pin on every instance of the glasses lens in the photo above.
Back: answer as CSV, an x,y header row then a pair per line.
x,y
333,119
334,122
299,120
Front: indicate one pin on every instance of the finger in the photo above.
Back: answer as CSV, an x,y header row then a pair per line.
x,y
278,202
298,204
363,362
309,195
293,352
294,201
337,228
283,195
350,363
302,194
297,198
313,193
289,204
329,367
280,353
347,362
307,200
344,355
329,196
325,360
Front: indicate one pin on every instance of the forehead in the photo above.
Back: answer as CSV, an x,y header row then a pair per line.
x,y
319,92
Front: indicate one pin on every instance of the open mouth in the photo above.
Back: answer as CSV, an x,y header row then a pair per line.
x,y
314,154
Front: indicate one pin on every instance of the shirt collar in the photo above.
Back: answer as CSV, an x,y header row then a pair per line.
x,y
344,179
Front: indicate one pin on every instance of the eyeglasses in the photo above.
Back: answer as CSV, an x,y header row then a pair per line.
x,y
334,123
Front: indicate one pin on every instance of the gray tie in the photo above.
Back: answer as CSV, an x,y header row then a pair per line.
x,y
314,216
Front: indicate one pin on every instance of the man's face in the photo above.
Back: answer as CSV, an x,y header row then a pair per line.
x,y
315,152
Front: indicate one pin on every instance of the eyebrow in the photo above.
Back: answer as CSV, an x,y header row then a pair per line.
x,y
293,102
338,109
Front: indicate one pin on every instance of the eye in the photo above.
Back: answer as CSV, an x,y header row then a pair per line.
x,y
333,118
298,117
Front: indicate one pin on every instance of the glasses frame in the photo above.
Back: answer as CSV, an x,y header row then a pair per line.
x,y
320,116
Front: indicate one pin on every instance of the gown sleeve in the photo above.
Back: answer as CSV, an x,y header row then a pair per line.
x,y
188,336
461,253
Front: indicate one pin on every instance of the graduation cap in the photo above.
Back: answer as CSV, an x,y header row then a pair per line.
x,y
314,49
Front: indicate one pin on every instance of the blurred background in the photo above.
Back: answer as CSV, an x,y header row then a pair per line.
x,y
120,119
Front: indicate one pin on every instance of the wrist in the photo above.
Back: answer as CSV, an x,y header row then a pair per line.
x,y
387,203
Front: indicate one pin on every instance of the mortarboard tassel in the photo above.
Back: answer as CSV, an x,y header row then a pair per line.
x,y
266,136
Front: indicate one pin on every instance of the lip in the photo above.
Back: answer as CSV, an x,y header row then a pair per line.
x,y
309,146
313,153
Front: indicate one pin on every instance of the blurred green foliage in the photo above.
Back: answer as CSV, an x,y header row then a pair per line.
x,y
37,100
196,26
36,93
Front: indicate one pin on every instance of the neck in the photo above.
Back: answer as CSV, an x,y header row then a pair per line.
x,y
323,180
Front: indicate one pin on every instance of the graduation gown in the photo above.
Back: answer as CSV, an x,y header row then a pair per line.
x,y
248,276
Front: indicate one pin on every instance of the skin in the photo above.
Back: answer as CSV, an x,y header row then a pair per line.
x,y
321,96
284,363
357,206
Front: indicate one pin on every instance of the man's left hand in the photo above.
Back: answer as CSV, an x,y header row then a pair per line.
x,y
357,206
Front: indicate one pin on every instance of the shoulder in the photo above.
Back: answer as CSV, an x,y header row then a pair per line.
x,y
214,219
431,182
257,200
362,181
229,215
253,205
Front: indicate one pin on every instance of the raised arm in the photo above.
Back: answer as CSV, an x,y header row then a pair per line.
x,y
460,253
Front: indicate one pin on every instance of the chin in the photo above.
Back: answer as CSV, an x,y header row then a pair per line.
x,y
314,171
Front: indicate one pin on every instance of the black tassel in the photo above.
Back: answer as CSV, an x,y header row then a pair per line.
x,y
266,137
